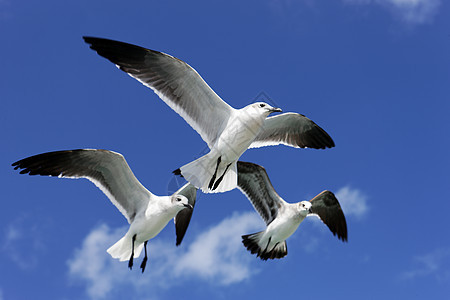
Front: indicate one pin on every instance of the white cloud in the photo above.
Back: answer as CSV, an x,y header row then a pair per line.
x,y
435,263
353,202
24,231
313,242
408,11
91,264
216,255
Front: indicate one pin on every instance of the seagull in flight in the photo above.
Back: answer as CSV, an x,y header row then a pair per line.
x,y
229,132
282,218
146,213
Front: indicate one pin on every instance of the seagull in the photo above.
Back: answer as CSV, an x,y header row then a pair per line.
x,y
146,213
282,218
229,132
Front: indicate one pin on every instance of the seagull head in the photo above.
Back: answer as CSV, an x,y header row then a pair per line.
x,y
181,202
265,108
304,207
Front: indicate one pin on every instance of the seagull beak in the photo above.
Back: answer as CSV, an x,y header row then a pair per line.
x,y
188,206
276,109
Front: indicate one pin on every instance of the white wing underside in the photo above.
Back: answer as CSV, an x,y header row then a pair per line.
x,y
106,169
294,130
104,190
206,112
174,81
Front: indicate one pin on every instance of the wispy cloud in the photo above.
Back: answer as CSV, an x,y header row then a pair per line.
x,y
408,11
313,242
435,263
353,202
24,231
216,255
91,264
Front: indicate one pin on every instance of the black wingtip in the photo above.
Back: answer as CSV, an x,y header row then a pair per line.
x,y
344,235
182,220
177,172
123,54
179,239
86,39
91,40
331,143
18,166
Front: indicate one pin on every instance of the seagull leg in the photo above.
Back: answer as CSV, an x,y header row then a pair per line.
x,y
130,262
144,261
213,178
220,178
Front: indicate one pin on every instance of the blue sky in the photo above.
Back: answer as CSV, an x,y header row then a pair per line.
x,y
375,74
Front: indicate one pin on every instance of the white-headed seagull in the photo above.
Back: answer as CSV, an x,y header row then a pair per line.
x,y
229,132
282,218
146,213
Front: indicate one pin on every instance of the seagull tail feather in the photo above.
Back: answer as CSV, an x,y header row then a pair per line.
x,y
201,171
252,243
122,249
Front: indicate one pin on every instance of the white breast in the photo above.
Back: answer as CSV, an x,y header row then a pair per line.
x,y
240,132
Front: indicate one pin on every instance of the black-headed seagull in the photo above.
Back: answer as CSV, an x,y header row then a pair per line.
x,y
228,132
146,213
282,218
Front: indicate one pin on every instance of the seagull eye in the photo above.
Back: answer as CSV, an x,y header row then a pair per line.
x,y
262,105
178,199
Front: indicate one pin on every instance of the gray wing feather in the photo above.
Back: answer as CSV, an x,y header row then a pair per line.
x,y
106,169
174,81
255,184
292,129
327,208
183,218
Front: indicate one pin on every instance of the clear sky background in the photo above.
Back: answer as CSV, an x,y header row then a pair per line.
x,y
375,74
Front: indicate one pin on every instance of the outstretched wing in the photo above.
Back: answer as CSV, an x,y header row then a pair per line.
x,y
183,217
255,184
174,81
106,169
327,208
294,130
